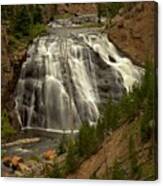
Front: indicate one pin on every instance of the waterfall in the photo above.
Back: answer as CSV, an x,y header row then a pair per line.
x,y
67,76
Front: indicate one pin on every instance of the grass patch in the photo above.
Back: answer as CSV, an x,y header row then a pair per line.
x,y
62,16
37,30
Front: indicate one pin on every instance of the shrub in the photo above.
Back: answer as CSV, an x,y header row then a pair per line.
x,y
22,22
135,168
87,142
37,15
62,145
118,172
148,90
56,172
36,30
111,116
72,160
6,129
108,9
100,130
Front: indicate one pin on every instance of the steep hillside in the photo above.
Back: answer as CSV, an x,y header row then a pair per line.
x,y
134,31
122,156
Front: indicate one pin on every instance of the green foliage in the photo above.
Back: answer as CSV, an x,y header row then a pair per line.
x,y
128,106
83,146
29,23
148,90
36,30
37,15
135,168
6,129
100,130
13,42
63,16
72,160
111,116
62,145
56,172
113,8
22,23
140,100
108,9
87,140
118,172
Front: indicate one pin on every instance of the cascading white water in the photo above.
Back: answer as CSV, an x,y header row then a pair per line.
x,y
66,76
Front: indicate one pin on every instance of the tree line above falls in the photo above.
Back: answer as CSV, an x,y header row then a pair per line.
x,y
25,20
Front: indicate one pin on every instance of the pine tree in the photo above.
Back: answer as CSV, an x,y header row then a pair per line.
x,y
111,116
23,22
72,160
87,140
37,15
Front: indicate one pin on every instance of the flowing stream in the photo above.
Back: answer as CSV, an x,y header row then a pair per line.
x,y
67,75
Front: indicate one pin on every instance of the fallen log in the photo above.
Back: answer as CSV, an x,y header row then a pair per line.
x,y
21,141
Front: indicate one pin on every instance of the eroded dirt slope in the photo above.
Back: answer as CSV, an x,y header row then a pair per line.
x,y
116,148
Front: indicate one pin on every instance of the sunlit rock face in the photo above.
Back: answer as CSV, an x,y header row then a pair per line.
x,y
67,76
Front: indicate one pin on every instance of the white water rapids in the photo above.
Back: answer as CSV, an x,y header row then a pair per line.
x,y
65,78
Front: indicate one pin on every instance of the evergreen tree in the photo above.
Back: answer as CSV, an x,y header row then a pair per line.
x,y
37,15
72,160
23,22
148,91
100,130
118,172
87,140
111,116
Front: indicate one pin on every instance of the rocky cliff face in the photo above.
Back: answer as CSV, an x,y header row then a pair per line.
x,y
10,70
135,31
78,9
